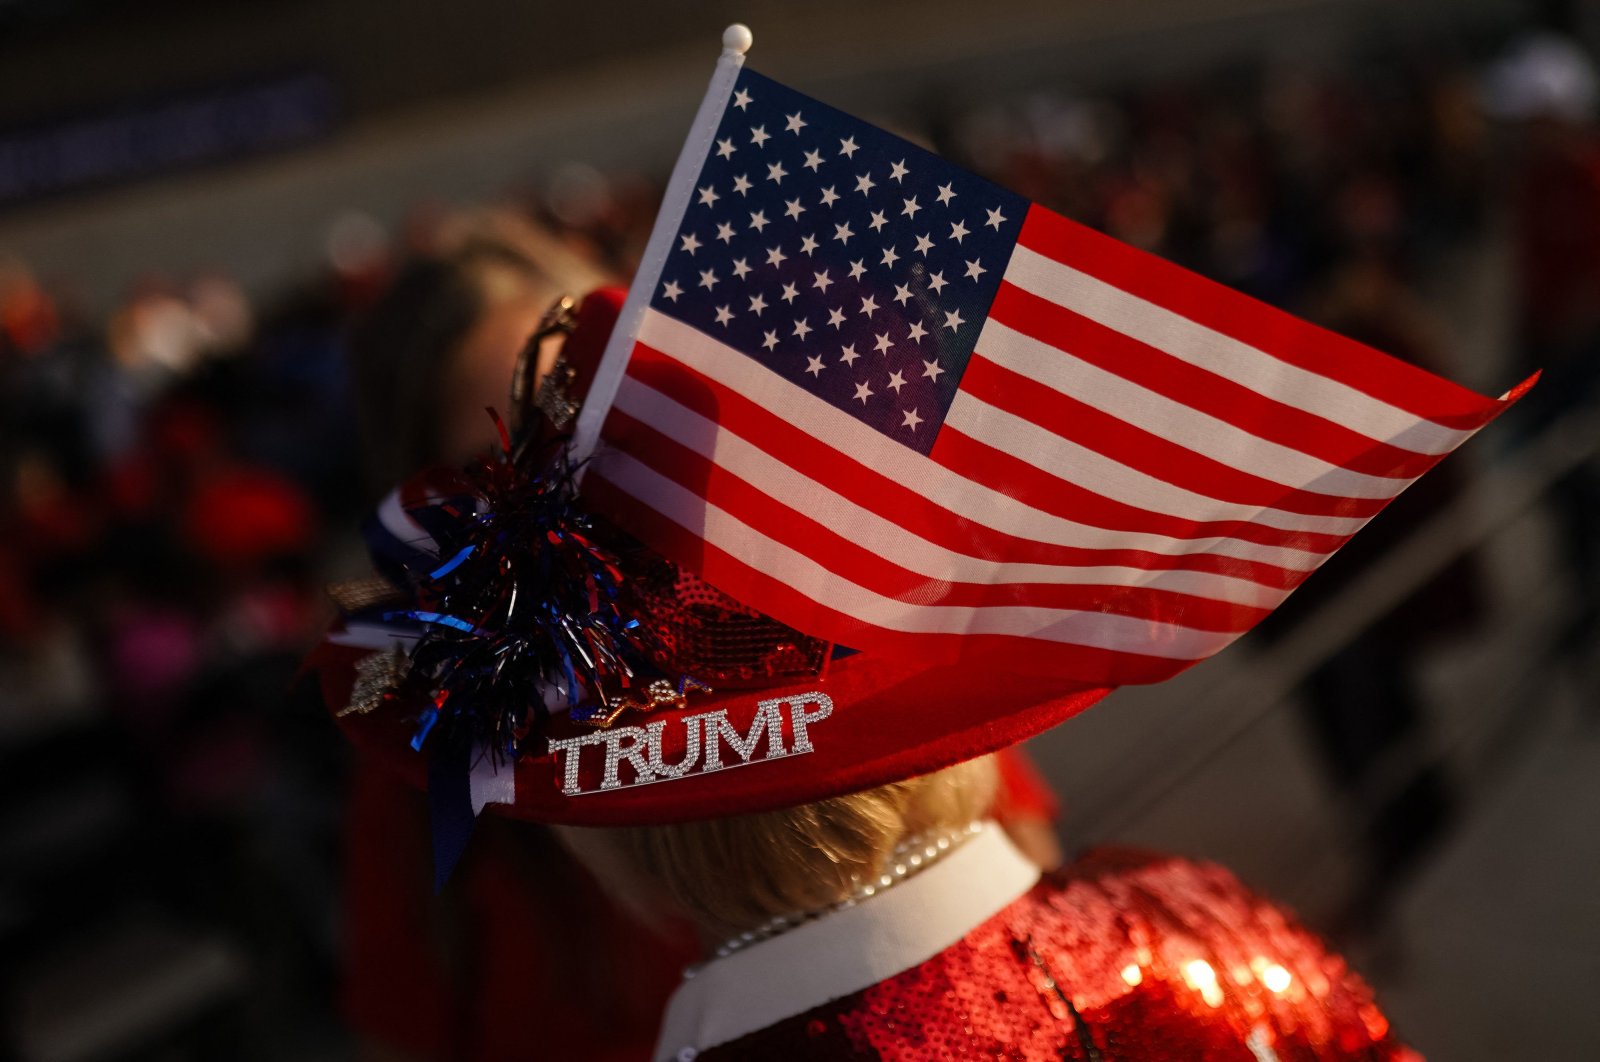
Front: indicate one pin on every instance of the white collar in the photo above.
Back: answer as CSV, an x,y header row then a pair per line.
x,y
847,950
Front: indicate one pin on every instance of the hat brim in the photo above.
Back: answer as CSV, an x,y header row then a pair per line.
x,y
890,720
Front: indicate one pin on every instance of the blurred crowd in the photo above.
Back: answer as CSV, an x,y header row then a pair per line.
x,y
178,481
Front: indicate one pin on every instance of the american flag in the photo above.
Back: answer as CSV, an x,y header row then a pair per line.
x,y
896,406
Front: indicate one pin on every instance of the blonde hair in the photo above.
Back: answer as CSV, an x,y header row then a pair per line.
x,y
733,874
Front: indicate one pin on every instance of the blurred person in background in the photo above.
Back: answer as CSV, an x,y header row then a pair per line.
x,y
1548,87
439,345
459,975
1364,703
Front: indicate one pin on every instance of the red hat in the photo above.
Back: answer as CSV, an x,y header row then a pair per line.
x,y
623,689
812,719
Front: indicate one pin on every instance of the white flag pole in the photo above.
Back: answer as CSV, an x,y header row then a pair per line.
x,y
736,40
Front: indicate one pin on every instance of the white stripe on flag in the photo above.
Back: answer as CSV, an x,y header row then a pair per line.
x,y
1100,630
964,497
1159,327
888,539
1071,463
1056,368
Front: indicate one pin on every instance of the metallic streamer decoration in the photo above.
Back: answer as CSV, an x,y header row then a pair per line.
x,y
520,609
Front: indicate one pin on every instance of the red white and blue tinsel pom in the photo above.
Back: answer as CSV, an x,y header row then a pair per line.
x,y
512,610
510,593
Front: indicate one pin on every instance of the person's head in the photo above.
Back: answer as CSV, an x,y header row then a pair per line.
x,y
441,345
729,875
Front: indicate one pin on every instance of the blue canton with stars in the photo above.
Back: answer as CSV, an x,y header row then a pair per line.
x,y
850,262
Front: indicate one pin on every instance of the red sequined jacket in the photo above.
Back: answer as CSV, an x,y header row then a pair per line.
x,y
1120,957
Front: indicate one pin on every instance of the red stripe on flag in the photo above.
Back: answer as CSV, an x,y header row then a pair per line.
x,y
1269,330
1098,430
802,532
914,511
739,580
1202,389
969,457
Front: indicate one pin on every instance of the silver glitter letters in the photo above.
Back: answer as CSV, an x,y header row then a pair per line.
x,y
799,718
768,723
691,751
633,752
573,748
643,748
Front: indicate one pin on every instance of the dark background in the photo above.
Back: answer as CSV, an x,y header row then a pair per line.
x,y
196,199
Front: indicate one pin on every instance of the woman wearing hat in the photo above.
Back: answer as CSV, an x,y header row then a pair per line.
x,y
429,977
852,893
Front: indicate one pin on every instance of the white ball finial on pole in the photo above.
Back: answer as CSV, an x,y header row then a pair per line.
x,y
736,39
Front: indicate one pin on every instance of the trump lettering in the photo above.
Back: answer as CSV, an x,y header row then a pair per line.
x,y
710,743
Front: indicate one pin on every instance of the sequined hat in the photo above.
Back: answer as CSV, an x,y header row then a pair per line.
x,y
580,642
685,684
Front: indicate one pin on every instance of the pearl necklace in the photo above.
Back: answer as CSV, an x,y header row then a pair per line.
x,y
910,857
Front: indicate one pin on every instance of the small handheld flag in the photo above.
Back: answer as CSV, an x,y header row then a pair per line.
x,y
894,405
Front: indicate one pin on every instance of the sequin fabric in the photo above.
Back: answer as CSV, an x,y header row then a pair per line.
x,y
1121,957
707,634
